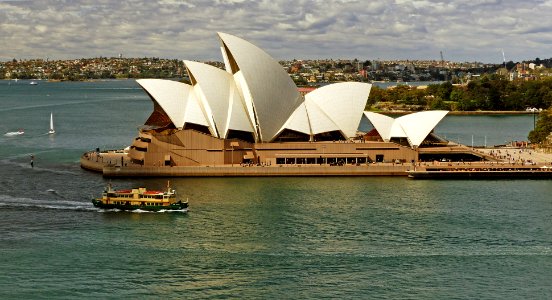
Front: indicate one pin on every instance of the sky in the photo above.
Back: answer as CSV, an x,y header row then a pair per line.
x,y
464,30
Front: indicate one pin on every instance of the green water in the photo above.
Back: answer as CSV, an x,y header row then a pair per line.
x,y
268,238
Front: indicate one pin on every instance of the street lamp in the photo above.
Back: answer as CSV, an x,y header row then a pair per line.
x,y
534,118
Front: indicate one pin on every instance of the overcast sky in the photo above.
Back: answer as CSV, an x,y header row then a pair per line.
x,y
465,30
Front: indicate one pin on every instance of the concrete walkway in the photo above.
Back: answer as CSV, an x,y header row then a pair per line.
x,y
518,155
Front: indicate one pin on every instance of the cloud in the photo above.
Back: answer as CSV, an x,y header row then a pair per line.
x,y
466,30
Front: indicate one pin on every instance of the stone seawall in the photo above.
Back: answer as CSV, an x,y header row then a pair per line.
x,y
91,165
257,171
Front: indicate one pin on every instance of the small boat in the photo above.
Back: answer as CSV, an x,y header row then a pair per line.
x,y
140,198
15,133
33,83
51,130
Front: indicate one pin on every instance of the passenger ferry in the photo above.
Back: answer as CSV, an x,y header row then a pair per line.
x,y
139,198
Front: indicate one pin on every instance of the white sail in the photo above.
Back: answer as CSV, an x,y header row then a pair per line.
x,y
51,131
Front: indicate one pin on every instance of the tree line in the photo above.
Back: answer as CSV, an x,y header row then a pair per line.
x,y
542,132
490,92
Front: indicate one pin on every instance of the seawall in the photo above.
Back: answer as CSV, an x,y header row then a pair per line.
x,y
256,171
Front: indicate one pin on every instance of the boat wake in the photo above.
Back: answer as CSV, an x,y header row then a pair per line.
x,y
184,210
70,205
36,168
53,105
14,133
9,201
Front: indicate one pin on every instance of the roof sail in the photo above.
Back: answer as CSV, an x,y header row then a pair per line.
x,y
273,94
170,95
219,97
343,103
415,127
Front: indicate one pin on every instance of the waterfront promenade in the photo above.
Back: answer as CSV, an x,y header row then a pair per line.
x,y
518,155
116,164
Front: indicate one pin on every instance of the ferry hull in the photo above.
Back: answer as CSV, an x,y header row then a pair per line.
x,y
173,206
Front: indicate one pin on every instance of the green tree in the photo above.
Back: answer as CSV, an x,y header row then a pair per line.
x,y
376,95
444,91
543,127
458,95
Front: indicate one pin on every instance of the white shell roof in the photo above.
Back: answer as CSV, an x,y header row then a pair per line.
x,y
319,120
169,95
335,107
194,112
415,127
382,124
219,98
256,95
343,103
418,125
237,115
299,120
243,90
273,93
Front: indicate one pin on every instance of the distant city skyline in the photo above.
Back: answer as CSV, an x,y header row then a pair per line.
x,y
464,30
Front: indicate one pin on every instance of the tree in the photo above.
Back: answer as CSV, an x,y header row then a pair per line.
x,y
510,65
459,96
543,127
444,91
436,103
376,95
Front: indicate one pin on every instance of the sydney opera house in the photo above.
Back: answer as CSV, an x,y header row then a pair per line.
x,y
252,113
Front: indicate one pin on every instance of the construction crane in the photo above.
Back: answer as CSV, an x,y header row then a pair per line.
x,y
443,66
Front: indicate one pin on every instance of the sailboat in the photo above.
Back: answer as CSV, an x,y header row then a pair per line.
x,y
51,131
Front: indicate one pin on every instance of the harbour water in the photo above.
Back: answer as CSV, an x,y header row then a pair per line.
x,y
333,237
